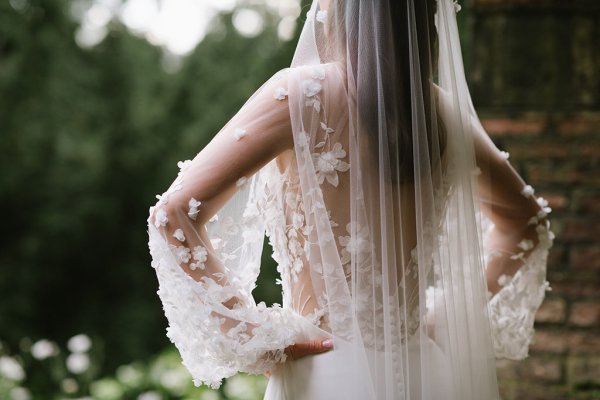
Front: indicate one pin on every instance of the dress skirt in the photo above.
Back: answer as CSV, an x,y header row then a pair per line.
x,y
329,376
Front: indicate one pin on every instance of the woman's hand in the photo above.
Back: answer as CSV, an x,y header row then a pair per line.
x,y
302,349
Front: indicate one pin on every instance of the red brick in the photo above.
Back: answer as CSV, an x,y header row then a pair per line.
x,y
557,202
539,150
584,342
584,370
549,341
576,290
552,310
585,257
507,369
581,230
522,126
581,124
585,314
564,174
556,258
542,369
586,203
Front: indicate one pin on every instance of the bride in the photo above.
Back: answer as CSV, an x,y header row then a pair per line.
x,y
411,254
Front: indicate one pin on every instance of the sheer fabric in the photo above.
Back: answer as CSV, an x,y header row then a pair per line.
x,y
399,229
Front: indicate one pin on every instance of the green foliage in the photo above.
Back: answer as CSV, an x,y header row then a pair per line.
x,y
45,370
88,137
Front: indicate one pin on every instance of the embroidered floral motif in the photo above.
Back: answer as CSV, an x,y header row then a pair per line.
x,y
327,164
239,133
160,218
318,72
280,94
241,182
181,253
327,129
193,205
200,254
322,16
354,245
179,235
457,7
527,191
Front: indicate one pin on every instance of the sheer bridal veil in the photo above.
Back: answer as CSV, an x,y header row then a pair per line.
x,y
398,226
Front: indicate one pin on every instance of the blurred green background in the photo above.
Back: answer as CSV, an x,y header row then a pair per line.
x,y
89,134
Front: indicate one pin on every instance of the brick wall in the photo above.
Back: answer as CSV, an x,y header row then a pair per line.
x,y
534,70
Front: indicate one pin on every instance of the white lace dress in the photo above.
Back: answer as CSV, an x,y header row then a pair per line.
x,y
206,238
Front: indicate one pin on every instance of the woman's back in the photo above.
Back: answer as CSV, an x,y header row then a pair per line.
x,y
377,218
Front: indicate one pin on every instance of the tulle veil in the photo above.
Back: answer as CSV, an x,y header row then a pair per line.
x,y
390,215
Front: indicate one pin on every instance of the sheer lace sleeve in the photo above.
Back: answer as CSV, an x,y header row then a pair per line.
x,y
518,239
206,237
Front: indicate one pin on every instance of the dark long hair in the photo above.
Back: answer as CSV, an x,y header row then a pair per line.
x,y
401,80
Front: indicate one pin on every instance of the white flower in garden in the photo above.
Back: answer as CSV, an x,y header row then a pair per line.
x,y
43,349
150,395
239,133
19,393
69,385
11,369
78,363
280,93
328,163
174,379
129,375
160,218
79,343
107,389
179,235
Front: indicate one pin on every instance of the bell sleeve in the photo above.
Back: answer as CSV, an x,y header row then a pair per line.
x,y
206,237
517,241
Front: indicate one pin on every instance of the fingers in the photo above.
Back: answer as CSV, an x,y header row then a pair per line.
x,y
302,349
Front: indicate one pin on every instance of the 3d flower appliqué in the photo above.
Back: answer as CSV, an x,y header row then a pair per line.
x,y
179,235
327,164
353,244
200,255
311,88
193,208
239,133
457,7
160,218
527,191
280,94
322,16
181,253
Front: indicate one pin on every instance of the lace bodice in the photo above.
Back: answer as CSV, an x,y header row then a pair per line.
x,y
206,235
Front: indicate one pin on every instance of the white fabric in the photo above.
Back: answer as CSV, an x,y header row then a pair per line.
x,y
399,229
